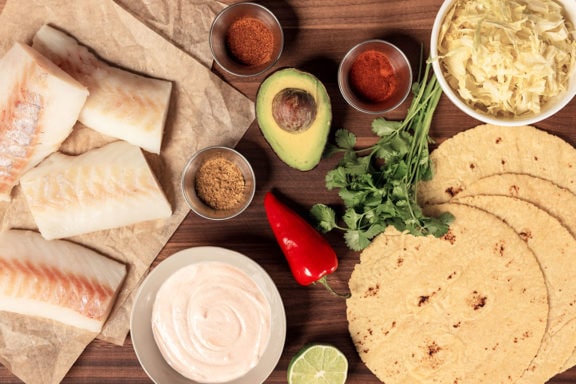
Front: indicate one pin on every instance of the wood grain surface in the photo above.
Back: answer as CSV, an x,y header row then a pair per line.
x,y
318,33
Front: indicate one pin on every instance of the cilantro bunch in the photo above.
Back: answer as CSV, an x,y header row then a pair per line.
x,y
378,184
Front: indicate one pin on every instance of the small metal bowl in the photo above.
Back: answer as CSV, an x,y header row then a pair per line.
x,y
219,32
400,66
188,187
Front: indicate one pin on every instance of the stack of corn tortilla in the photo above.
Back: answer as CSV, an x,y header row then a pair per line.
x,y
493,300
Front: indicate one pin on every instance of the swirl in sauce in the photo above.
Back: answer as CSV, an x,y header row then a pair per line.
x,y
211,322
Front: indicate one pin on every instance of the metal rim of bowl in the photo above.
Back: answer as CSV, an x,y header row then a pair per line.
x,y
249,197
460,104
261,69
342,82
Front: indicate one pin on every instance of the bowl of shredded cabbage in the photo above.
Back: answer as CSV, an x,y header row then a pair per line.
x,y
508,62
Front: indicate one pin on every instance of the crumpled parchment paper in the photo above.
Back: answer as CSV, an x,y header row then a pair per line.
x,y
185,23
204,111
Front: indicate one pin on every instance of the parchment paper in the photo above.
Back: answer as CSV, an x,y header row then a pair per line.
x,y
186,23
204,111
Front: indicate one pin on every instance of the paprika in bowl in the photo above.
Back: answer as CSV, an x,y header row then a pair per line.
x,y
246,39
375,77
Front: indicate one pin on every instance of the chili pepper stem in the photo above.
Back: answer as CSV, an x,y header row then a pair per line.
x,y
324,281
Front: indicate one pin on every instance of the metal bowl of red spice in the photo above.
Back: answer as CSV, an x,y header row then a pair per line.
x,y
218,183
246,39
375,76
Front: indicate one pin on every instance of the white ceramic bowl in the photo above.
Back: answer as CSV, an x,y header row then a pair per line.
x,y
147,351
548,110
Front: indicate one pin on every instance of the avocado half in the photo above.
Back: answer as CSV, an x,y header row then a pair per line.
x,y
294,113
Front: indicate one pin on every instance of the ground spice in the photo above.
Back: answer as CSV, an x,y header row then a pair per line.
x,y
219,183
372,77
250,41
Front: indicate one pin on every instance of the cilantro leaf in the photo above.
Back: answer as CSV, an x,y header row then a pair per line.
x,y
345,139
325,217
356,239
383,128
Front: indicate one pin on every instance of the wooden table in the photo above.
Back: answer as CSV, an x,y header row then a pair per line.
x,y
318,33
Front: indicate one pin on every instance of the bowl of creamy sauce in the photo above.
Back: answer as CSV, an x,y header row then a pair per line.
x,y
208,315
211,322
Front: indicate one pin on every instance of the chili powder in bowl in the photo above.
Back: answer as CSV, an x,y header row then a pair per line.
x,y
246,39
218,183
375,76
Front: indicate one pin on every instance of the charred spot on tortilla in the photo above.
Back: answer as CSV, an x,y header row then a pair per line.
x,y
430,355
499,248
526,234
514,190
477,301
450,237
433,348
392,326
453,191
423,300
524,336
372,291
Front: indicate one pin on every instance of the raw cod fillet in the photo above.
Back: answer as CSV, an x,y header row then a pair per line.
x,y
57,280
121,104
39,105
104,188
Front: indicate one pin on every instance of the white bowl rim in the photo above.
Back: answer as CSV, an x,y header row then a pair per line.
x,y
570,7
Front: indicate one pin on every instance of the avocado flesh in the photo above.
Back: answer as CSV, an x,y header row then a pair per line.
x,y
299,148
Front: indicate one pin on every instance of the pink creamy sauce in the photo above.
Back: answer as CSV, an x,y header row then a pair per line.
x,y
211,322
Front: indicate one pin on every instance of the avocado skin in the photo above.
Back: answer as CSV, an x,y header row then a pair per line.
x,y
300,150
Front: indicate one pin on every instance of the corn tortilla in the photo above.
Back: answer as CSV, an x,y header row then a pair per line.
x,y
488,150
469,307
554,248
558,202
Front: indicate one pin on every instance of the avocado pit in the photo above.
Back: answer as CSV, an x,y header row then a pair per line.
x,y
294,109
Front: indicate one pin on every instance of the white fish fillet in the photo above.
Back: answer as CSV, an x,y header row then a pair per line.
x,y
103,188
39,105
57,280
121,104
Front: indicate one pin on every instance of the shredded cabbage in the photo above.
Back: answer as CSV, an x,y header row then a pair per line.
x,y
507,58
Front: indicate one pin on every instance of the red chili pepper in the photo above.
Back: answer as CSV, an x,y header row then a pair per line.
x,y
309,255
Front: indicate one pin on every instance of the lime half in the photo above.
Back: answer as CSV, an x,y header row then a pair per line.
x,y
318,364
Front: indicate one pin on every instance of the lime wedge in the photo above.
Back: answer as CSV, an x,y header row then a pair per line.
x,y
318,364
